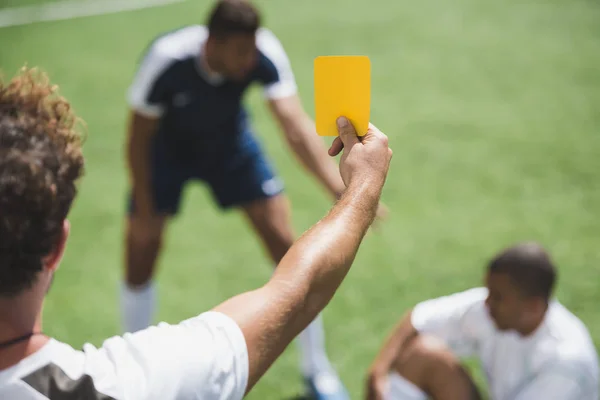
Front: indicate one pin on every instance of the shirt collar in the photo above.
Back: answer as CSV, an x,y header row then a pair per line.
x,y
213,78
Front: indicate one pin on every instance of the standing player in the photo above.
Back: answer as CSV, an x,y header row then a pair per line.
x,y
530,346
187,123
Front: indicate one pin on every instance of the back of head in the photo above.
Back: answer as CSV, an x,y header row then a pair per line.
x,y
530,268
40,162
230,17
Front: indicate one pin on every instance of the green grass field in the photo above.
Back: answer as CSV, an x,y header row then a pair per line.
x,y
493,112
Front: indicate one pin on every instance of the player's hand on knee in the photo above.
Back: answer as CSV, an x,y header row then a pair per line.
x,y
365,159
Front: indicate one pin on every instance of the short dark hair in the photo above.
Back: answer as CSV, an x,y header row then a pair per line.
x,y
230,17
530,268
40,162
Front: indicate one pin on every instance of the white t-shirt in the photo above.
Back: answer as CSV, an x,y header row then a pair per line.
x,y
558,361
204,357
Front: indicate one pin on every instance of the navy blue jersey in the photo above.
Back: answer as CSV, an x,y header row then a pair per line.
x,y
202,115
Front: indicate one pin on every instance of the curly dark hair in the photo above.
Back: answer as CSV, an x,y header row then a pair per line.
x,y
40,162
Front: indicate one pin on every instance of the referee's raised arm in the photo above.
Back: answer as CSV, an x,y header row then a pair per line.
x,y
312,270
217,355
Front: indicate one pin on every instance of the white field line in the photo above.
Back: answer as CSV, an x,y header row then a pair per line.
x,y
69,9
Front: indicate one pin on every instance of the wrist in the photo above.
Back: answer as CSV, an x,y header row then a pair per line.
x,y
363,197
368,189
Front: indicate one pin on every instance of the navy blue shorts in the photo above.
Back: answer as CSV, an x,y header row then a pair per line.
x,y
244,175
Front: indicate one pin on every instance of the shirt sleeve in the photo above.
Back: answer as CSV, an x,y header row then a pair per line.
x,y
456,319
148,93
277,76
204,357
554,384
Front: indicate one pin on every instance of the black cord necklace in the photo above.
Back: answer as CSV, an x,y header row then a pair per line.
x,y
16,340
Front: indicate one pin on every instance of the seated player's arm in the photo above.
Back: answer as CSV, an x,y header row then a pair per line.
x,y
140,130
299,131
403,333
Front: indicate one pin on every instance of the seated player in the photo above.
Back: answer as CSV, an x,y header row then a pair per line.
x,y
529,345
188,124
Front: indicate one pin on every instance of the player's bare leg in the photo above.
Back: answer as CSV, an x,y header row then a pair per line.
x,y
144,236
430,370
271,219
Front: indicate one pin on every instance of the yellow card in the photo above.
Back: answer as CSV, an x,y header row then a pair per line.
x,y
342,88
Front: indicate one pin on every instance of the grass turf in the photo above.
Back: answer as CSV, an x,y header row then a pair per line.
x,y
492,109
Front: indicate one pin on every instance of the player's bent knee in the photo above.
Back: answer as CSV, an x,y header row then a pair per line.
x,y
423,357
431,366
419,357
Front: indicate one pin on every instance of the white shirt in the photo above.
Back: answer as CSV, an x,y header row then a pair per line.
x,y
204,357
558,361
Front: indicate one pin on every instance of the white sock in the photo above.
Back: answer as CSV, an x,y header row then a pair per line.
x,y
311,343
137,306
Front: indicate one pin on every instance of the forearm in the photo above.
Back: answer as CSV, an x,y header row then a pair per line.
x,y
320,259
311,152
304,281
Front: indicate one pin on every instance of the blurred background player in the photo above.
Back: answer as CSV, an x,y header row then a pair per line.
x,y
529,345
187,123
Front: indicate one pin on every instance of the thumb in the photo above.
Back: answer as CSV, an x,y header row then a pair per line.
x,y
347,132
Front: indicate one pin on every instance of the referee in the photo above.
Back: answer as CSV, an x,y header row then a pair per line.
x,y
219,354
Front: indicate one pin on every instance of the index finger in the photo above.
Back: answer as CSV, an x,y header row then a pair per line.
x,y
374,131
336,147
374,134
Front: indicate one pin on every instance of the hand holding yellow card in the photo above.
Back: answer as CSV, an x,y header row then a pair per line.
x,y
342,88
